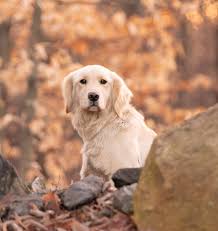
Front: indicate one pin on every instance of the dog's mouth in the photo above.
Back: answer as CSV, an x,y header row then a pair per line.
x,y
93,107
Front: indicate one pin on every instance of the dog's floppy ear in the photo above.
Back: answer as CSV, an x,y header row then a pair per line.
x,y
67,91
121,95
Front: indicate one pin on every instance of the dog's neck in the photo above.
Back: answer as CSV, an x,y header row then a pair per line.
x,y
90,124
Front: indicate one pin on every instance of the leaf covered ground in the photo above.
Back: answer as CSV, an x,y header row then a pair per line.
x,y
97,216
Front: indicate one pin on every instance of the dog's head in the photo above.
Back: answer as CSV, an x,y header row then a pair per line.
x,y
95,88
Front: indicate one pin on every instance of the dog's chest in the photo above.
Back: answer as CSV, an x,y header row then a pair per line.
x,y
104,151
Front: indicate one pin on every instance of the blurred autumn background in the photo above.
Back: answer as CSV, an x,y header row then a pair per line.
x,y
165,50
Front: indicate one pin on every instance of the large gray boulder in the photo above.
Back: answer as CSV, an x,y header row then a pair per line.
x,y
178,187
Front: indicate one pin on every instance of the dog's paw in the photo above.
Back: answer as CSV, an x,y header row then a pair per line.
x,y
108,186
82,174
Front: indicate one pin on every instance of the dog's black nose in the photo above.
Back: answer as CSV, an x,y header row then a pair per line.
x,y
93,96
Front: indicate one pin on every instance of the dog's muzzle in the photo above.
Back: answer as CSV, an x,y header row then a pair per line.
x,y
93,101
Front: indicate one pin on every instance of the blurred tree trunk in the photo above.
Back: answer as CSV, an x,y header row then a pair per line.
x,y
16,130
35,37
200,46
5,42
18,135
199,58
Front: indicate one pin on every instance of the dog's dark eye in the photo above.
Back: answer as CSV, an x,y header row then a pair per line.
x,y
83,81
103,81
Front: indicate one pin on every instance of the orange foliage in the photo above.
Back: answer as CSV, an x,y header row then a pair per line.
x,y
142,48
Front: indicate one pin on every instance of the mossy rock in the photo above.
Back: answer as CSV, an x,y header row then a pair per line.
x,y
178,187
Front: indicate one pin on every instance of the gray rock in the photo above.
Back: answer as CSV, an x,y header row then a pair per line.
x,y
9,180
126,176
106,212
178,187
20,205
82,192
122,199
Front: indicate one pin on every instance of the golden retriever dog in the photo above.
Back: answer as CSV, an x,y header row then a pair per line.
x,y
113,132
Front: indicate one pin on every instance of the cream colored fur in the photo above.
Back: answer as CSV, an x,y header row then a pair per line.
x,y
114,135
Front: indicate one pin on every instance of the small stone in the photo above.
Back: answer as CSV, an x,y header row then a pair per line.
x,y
20,205
38,185
123,199
23,205
106,212
126,176
82,192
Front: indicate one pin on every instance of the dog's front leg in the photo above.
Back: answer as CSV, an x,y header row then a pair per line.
x,y
83,171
